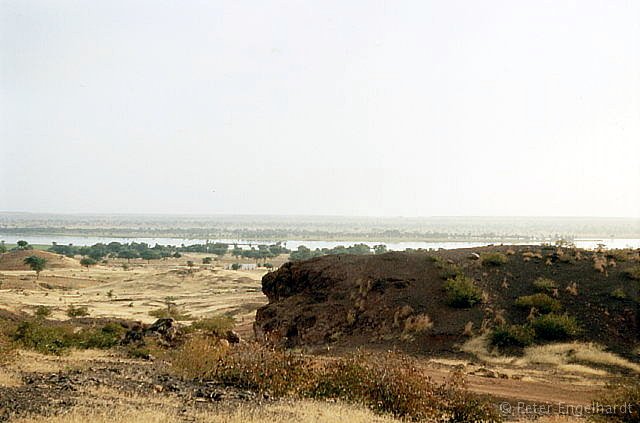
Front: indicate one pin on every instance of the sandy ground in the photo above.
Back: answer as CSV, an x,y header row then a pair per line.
x,y
111,291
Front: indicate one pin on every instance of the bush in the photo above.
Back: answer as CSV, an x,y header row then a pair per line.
x,y
555,327
42,311
57,338
217,326
462,292
542,302
493,259
172,312
103,338
507,336
80,311
618,294
545,284
385,383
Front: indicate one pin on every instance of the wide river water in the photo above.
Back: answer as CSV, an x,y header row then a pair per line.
x,y
293,244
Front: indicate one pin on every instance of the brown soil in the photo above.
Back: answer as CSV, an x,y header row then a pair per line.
x,y
14,260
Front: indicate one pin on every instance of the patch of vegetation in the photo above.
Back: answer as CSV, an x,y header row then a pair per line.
x,y
542,302
42,311
618,294
555,327
545,285
57,338
462,292
173,313
88,261
217,326
632,273
386,383
509,336
36,263
617,255
80,311
493,259
449,271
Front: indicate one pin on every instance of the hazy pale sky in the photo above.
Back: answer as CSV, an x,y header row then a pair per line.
x,y
412,108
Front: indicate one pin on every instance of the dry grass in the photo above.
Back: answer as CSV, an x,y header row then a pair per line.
x,y
9,378
280,412
570,357
32,362
570,354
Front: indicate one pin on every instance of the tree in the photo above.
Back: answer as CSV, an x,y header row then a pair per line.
x,y
380,249
88,261
128,254
36,263
149,255
3,248
207,260
23,245
235,266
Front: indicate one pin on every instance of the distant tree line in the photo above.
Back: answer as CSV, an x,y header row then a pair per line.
x,y
304,253
144,251
134,250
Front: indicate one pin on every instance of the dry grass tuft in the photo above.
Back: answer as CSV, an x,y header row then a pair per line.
x,y
572,289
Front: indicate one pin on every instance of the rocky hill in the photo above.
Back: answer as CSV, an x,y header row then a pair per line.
x,y
399,298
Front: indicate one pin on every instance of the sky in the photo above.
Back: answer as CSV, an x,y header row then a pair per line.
x,y
364,108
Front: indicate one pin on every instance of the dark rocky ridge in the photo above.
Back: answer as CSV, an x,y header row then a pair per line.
x,y
357,300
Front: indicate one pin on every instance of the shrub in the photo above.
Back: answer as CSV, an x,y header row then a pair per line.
x,y
207,260
555,327
217,326
173,312
450,271
462,292
385,383
56,338
102,338
545,285
493,259
542,302
42,311
235,266
618,294
80,311
507,336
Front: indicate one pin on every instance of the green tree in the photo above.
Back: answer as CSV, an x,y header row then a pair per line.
x,y
3,248
380,249
87,261
23,245
207,260
149,255
36,263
